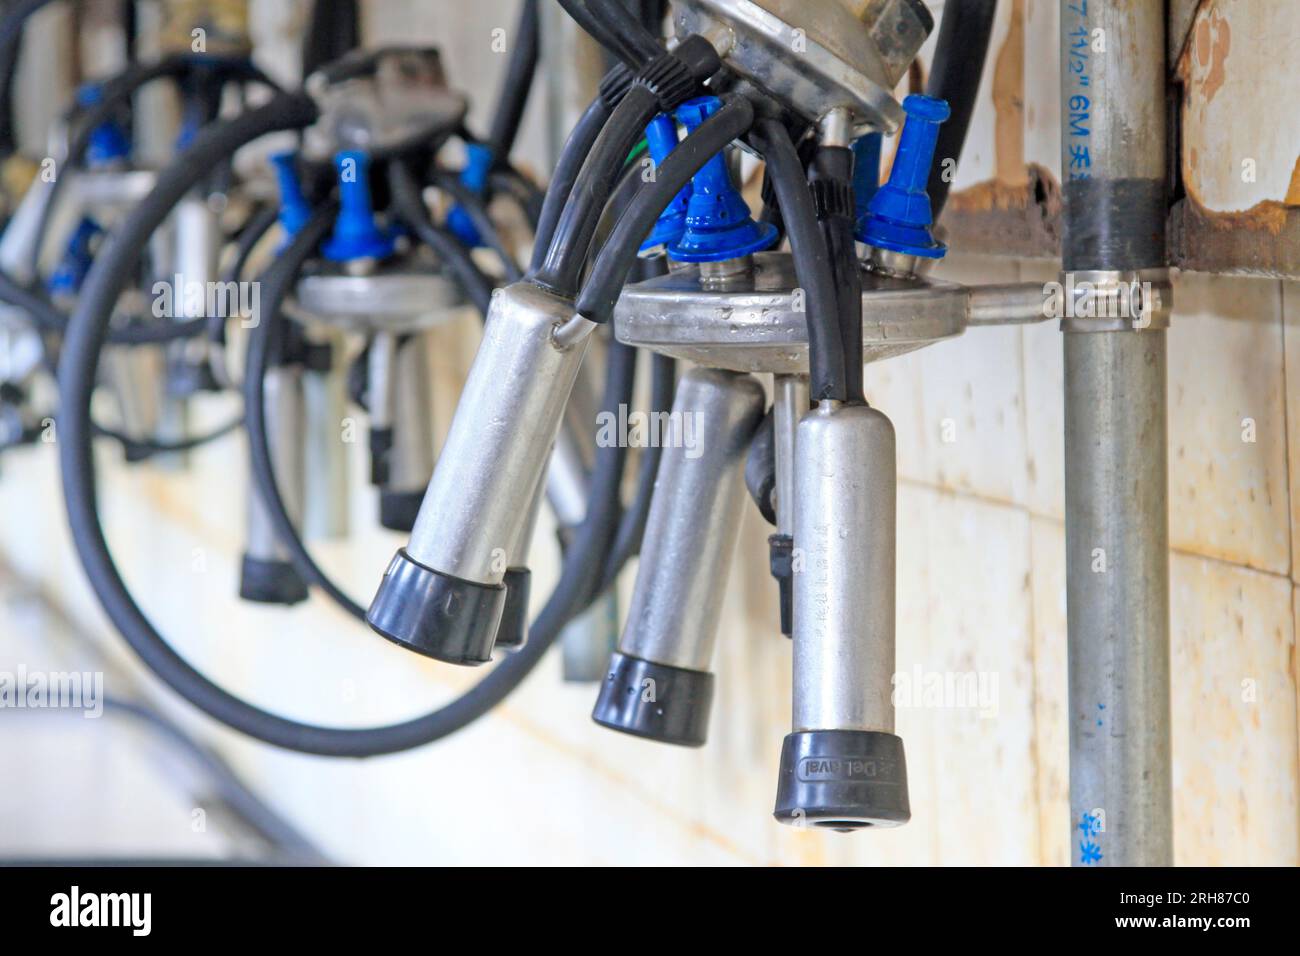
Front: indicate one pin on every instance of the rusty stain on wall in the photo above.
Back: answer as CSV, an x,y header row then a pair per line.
x,y
1212,40
1009,102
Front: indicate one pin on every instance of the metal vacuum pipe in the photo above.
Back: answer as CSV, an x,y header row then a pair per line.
x,y
843,767
444,593
411,457
1116,455
659,684
267,576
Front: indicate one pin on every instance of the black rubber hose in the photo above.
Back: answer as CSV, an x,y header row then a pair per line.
x,y
516,85
257,226
812,263
582,15
620,22
576,149
333,30
955,72
832,178
12,24
140,448
85,339
476,209
117,92
632,525
276,283
760,468
569,247
47,317
411,210
619,253
523,192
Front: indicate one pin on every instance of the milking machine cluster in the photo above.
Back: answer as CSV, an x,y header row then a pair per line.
x,y
771,317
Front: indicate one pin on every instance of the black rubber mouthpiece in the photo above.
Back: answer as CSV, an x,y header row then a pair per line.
x,y
270,582
842,780
435,614
655,701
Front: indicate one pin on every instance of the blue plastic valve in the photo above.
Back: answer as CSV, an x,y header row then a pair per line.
x,y
108,141
900,216
474,177
294,208
661,140
356,235
718,223
866,177
77,259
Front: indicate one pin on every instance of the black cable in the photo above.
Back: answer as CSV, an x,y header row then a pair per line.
x,y
576,149
333,30
812,264
516,84
410,209
832,183
580,12
86,334
619,22
521,190
955,72
568,250
12,24
476,209
115,93
139,448
619,253
276,283
47,317
632,525
258,225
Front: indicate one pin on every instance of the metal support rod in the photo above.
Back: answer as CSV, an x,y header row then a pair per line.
x,y
1116,450
790,402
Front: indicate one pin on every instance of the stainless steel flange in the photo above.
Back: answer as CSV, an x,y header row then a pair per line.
x,y
815,56
396,300
756,323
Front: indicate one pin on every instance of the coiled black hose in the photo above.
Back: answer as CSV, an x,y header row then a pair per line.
x,y
86,337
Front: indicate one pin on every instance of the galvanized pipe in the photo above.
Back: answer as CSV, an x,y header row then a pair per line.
x,y
1116,448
